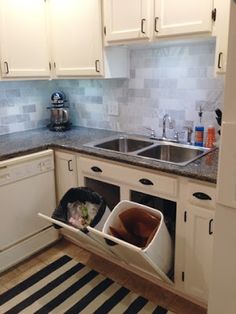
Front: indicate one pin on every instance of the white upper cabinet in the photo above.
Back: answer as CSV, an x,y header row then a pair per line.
x,y
221,30
182,17
145,19
24,45
126,20
76,37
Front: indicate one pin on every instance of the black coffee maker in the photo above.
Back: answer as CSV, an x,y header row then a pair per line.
x,y
59,120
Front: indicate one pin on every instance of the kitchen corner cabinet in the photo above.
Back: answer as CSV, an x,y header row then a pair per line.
x,y
66,173
76,38
182,17
24,44
155,18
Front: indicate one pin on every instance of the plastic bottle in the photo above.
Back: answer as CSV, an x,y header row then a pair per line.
x,y
199,130
199,135
211,137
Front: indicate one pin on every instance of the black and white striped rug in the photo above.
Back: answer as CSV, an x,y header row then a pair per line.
x,y
66,286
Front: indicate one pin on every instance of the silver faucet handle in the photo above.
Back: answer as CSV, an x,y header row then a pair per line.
x,y
152,134
176,136
189,134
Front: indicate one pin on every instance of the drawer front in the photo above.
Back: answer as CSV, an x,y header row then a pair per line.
x,y
155,183
144,180
101,170
202,195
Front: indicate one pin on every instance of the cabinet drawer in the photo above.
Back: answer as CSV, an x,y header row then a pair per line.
x,y
144,180
202,195
101,170
150,182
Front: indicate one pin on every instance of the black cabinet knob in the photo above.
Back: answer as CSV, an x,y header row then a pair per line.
x,y
110,242
96,169
145,181
202,196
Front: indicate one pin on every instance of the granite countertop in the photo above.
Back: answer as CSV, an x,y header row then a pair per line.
x,y
16,144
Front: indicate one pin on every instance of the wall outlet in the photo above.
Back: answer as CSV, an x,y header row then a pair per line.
x,y
113,109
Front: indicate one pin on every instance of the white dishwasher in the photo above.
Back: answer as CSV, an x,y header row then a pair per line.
x,y
27,186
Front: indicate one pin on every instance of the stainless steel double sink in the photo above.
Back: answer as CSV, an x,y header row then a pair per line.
x,y
164,151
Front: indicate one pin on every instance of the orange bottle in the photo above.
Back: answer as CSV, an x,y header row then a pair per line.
x,y
211,137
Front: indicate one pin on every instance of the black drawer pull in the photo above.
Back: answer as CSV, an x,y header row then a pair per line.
x,y
219,60
97,66
202,196
96,169
155,24
210,226
69,163
146,181
142,26
110,242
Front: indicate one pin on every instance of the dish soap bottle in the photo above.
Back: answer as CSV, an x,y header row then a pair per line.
x,y
210,142
199,131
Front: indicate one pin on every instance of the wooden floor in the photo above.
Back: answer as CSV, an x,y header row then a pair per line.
x,y
139,285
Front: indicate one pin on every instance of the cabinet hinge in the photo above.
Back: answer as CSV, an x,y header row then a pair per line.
x,y
183,276
105,30
185,216
213,15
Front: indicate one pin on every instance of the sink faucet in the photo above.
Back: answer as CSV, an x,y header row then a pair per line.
x,y
166,116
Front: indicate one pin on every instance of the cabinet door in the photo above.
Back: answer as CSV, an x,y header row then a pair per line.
x,y
182,17
221,30
66,173
198,251
76,37
126,20
24,45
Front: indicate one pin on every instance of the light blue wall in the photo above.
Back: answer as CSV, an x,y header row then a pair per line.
x,y
174,79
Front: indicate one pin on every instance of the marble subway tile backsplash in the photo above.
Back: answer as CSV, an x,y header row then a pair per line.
x,y
177,79
23,105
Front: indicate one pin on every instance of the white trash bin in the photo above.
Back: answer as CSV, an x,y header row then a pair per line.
x,y
155,258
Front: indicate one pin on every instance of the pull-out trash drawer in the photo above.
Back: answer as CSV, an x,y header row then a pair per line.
x,y
148,245
155,258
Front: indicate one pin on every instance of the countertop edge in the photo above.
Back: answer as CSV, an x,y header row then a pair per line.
x,y
98,154
77,139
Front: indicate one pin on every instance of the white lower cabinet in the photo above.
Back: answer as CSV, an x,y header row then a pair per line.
x,y
66,173
188,205
198,251
197,214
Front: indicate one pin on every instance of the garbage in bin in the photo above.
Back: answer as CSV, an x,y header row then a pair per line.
x,y
148,223
81,207
136,226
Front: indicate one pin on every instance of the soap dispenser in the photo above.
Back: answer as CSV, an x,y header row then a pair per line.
x,y
199,130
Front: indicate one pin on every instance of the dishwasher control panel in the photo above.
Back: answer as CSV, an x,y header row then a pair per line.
x,y
20,170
